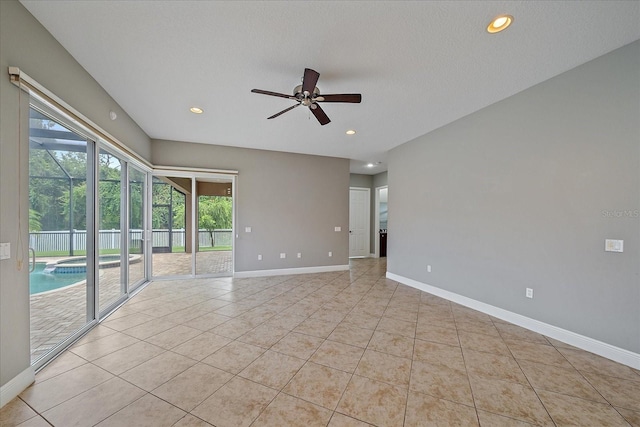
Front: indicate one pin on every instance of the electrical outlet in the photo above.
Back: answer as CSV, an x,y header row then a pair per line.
x,y
529,293
259,257
299,255
428,269
283,255
330,254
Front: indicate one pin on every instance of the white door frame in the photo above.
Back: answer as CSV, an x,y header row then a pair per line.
x,y
377,220
367,220
231,176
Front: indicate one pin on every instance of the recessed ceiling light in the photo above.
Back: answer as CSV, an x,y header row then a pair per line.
x,y
370,165
350,132
196,110
499,23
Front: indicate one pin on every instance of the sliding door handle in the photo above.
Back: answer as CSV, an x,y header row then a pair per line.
x,y
33,260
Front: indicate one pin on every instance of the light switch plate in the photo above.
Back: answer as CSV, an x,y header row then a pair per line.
x,y
5,251
247,229
283,255
611,245
337,228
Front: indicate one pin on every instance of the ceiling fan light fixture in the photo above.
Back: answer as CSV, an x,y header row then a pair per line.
x,y
499,23
196,110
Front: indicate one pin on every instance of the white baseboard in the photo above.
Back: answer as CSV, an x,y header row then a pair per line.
x,y
16,385
289,271
600,348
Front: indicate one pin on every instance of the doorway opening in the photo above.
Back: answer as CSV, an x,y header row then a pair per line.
x,y
359,222
380,221
192,219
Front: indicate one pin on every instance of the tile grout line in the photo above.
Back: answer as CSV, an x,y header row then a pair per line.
x,y
525,375
281,391
356,367
578,371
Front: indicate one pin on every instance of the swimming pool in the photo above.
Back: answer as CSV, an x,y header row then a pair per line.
x,y
78,264
42,282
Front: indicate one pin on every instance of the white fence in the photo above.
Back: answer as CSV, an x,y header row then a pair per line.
x,y
221,238
60,241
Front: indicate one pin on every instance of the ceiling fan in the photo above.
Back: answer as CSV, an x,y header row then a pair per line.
x,y
308,94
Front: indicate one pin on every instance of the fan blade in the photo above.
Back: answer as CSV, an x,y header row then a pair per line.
x,y
283,111
309,80
320,115
266,92
344,97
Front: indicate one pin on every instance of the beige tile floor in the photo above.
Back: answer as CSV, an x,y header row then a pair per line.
x,y
331,349
58,314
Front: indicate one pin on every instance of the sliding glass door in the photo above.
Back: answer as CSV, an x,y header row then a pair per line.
x,y
111,240
171,209
60,217
214,242
192,219
137,232
87,222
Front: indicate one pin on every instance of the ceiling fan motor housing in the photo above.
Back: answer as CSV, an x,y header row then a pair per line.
x,y
298,91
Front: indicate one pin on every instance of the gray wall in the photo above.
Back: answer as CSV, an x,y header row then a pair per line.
x,y
360,180
380,180
24,43
292,202
524,193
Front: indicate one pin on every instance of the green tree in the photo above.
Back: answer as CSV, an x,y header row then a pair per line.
x,y
163,196
34,221
78,210
53,173
214,212
136,198
207,222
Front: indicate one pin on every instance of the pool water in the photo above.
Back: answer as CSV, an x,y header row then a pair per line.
x,y
42,282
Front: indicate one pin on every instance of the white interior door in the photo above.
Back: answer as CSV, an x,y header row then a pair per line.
x,y
359,205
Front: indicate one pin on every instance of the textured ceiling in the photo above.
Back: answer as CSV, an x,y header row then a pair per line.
x,y
419,65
